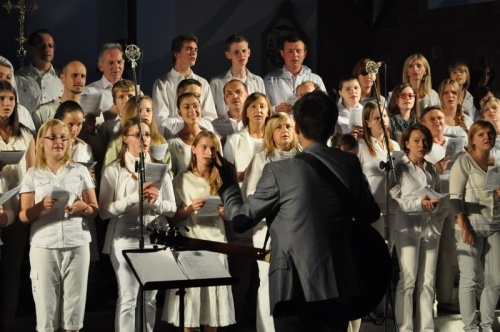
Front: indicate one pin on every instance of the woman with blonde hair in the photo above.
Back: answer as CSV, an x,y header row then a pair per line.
x,y
279,142
454,114
417,72
55,195
477,229
213,306
459,72
119,200
146,113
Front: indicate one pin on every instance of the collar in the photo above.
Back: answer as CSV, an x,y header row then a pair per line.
x,y
35,71
176,75
105,83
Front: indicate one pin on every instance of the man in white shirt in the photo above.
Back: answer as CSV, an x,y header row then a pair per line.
x,y
184,54
111,64
235,94
73,78
282,83
39,82
238,51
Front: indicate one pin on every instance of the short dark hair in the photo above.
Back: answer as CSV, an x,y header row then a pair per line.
x,y
184,96
293,38
35,35
405,137
178,43
316,115
235,39
181,87
347,78
234,80
67,107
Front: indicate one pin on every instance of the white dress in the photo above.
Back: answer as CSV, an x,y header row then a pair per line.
x,y
207,305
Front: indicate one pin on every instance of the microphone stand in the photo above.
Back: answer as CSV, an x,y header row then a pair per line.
x,y
140,168
388,167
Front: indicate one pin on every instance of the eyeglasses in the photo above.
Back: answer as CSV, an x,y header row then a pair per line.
x,y
53,138
42,46
363,72
138,135
406,95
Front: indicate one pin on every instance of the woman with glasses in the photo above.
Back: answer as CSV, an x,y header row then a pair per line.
x,y
55,196
366,82
119,201
402,109
417,73
454,113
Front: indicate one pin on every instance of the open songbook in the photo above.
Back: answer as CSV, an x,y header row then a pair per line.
x,y
165,265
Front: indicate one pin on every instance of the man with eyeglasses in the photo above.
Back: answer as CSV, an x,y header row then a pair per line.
x,y
235,93
39,82
184,55
282,83
238,51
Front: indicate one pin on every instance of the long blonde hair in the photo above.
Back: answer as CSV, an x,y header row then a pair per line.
x,y
40,160
130,111
424,89
214,181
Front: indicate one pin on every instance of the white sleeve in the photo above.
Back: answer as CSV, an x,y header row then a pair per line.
x,y
160,101
108,207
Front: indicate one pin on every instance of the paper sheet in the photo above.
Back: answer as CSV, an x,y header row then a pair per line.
x,y
91,103
210,207
156,266
201,265
9,194
355,118
156,173
429,192
11,157
492,181
158,151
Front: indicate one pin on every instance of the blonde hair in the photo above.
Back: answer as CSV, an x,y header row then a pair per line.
x,y
424,89
40,160
214,181
367,111
130,111
477,126
272,123
459,113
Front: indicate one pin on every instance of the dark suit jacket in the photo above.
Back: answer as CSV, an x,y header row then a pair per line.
x,y
307,223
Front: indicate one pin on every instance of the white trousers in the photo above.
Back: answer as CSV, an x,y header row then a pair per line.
x,y
128,289
59,286
417,263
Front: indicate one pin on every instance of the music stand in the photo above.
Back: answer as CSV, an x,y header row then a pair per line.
x,y
141,261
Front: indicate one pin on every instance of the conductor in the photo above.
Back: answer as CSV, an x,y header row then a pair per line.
x,y
311,269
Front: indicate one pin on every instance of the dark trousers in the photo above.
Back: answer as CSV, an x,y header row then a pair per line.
x,y
311,316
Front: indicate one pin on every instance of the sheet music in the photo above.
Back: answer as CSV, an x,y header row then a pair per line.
x,y
492,181
9,194
91,103
10,157
156,266
355,117
158,151
429,192
156,173
210,207
454,148
200,264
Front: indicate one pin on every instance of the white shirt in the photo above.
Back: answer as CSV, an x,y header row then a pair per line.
x,y
371,168
35,88
225,126
253,83
118,201
45,112
11,175
410,216
53,229
165,97
281,84
240,148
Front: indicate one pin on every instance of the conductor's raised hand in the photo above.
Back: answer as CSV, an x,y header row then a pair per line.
x,y
227,170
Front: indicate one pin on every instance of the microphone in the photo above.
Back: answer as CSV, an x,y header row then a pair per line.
x,y
132,52
372,67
